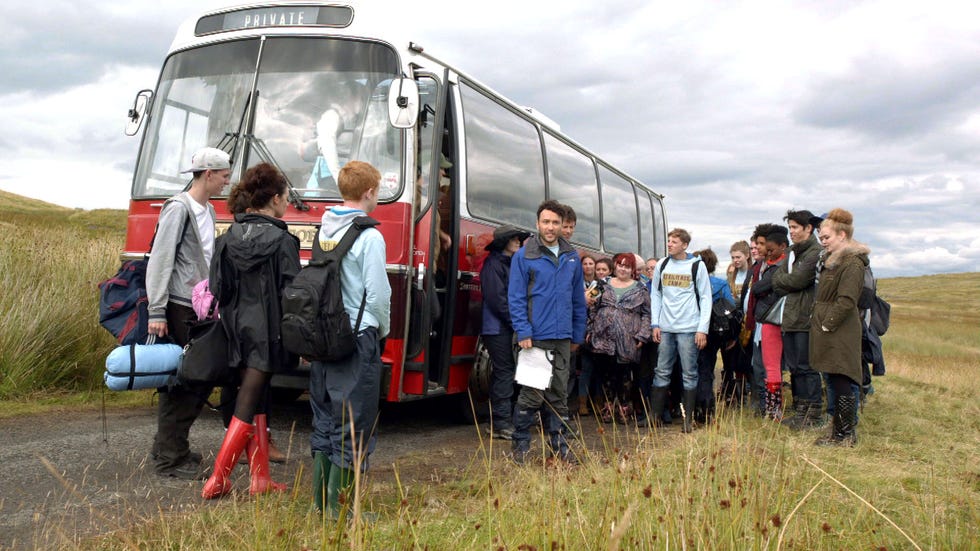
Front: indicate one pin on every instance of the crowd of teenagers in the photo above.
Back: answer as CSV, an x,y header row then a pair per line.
x,y
626,337
631,336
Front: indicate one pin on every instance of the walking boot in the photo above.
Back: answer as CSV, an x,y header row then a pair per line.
x,y
583,405
521,443
236,438
687,401
795,421
321,474
658,397
258,454
843,432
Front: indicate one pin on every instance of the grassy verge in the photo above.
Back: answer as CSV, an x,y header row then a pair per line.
x,y
913,480
51,261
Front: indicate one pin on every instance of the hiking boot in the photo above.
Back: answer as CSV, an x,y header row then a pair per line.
x,y
569,430
188,470
502,433
521,451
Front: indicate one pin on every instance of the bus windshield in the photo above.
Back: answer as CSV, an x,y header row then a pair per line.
x,y
317,103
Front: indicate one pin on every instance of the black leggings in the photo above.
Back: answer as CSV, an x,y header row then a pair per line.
x,y
248,399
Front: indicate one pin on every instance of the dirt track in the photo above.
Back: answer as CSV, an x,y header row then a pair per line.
x,y
65,479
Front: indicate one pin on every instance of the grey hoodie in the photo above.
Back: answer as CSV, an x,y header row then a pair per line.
x,y
172,271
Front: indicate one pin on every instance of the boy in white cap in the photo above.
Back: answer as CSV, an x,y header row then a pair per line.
x,y
179,259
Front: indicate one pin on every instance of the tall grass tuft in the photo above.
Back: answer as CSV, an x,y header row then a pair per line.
x,y
51,261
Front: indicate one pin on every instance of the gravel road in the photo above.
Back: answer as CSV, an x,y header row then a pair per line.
x,y
67,476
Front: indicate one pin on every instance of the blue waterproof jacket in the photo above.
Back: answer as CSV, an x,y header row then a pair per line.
x,y
545,293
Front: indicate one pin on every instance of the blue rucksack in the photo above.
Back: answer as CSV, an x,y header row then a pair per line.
x,y
123,303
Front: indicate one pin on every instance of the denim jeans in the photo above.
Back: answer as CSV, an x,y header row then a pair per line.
x,y
677,345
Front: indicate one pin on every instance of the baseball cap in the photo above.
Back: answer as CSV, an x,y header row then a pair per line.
x,y
209,158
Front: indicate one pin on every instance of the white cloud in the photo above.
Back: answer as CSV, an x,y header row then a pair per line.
x,y
736,111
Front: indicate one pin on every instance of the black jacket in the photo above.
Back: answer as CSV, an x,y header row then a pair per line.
x,y
765,295
252,263
494,278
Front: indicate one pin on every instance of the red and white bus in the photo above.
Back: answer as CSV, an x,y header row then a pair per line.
x,y
308,86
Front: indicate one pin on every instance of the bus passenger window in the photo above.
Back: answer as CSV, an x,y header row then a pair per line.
x,y
505,170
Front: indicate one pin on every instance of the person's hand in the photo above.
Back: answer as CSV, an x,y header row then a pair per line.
x,y
445,240
573,348
656,335
639,345
730,345
158,328
700,340
525,343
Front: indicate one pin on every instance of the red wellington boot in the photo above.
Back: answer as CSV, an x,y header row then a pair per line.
x,y
258,459
237,436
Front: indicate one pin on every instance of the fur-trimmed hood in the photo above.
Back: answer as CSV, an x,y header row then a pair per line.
x,y
854,248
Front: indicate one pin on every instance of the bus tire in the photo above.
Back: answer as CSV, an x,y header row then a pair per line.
x,y
480,374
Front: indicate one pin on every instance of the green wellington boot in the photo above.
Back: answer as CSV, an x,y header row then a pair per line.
x,y
340,484
321,474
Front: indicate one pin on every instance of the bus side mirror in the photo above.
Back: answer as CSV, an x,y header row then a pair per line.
x,y
403,102
137,112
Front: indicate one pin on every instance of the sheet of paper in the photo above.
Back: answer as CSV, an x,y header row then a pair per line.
x,y
534,368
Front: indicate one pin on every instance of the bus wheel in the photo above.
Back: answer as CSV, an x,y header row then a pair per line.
x,y
480,374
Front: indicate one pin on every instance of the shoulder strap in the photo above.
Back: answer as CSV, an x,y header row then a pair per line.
x,y
361,223
694,281
157,227
663,265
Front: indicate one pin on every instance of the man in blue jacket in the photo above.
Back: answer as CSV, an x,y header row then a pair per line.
x,y
547,310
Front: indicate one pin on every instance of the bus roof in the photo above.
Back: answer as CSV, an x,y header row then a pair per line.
x,y
364,20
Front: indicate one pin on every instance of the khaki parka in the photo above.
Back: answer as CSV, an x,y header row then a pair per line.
x,y
835,328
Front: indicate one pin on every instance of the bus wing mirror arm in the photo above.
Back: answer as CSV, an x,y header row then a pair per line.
x,y
403,102
135,114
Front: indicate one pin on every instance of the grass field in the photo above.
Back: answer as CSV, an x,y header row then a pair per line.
x,y
913,480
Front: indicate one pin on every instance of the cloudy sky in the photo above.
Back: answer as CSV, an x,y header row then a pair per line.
x,y
736,111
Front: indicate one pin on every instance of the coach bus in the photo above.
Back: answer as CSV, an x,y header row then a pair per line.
x,y
307,86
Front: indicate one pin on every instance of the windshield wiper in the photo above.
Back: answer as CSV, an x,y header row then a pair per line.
x,y
229,144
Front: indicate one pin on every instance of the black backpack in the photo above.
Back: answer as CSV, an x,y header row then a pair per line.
x,y
869,300
315,324
726,320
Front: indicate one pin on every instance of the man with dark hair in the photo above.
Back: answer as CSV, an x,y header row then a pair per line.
x,y
547,310
797,280
569,220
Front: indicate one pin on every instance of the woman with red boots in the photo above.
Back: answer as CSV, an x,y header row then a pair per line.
x,y
252,263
